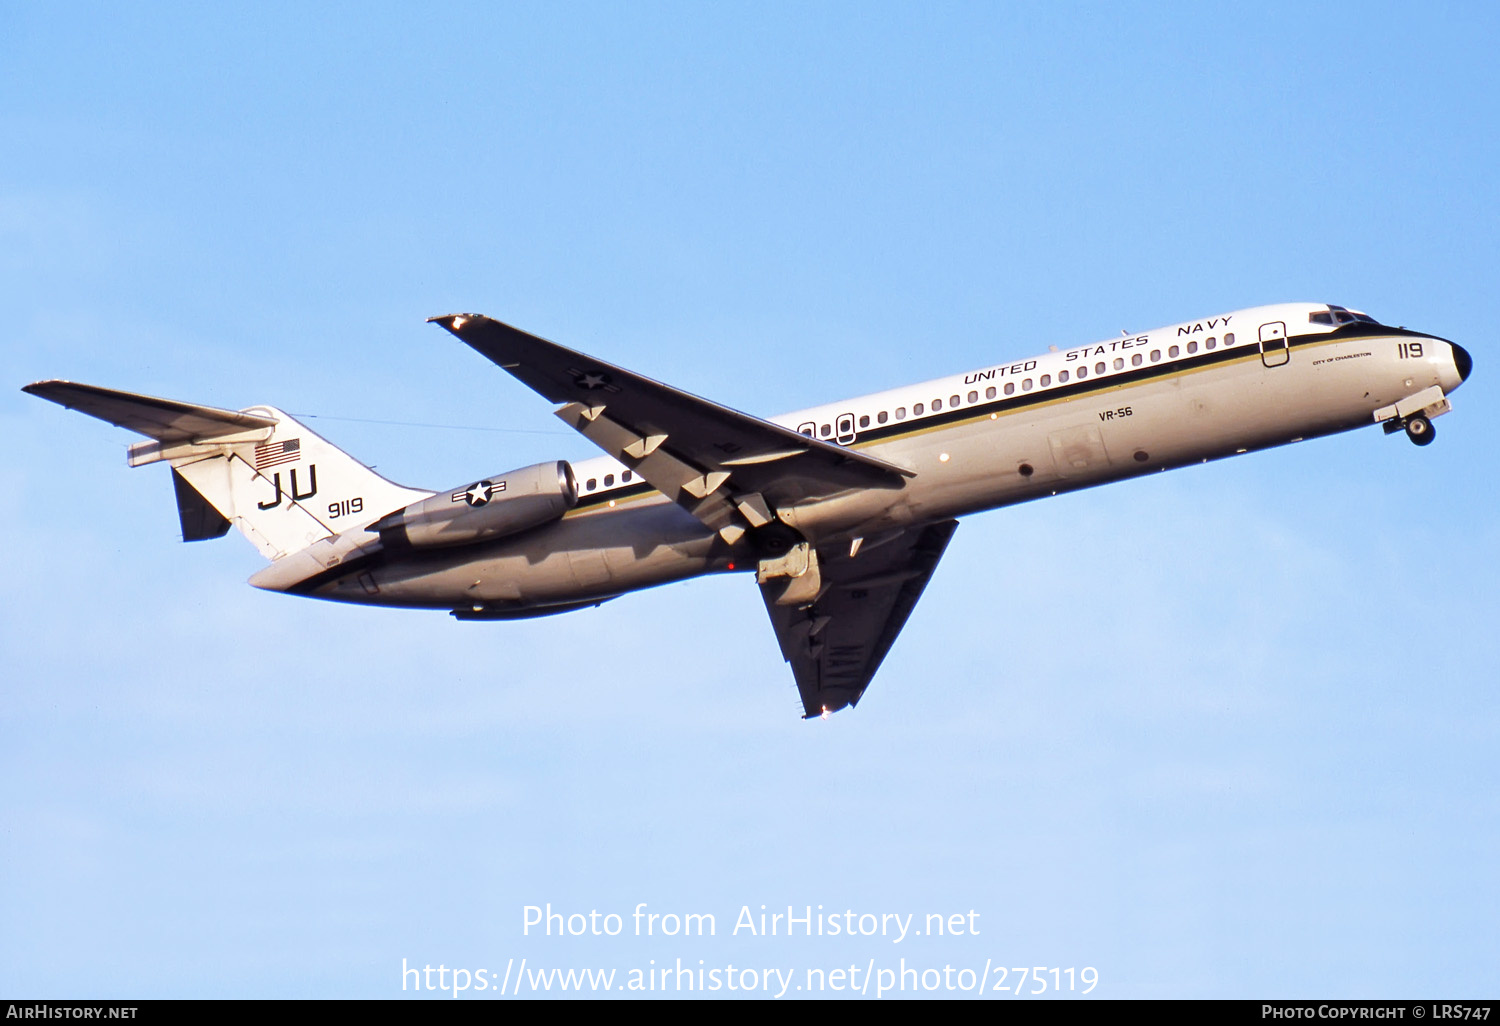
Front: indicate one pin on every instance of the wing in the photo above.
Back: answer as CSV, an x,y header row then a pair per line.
x,y
836,644
727,468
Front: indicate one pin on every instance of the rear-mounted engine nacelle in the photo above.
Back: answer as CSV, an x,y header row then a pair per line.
x,y
491,508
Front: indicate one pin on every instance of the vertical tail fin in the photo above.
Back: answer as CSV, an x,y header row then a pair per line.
x,y
284,486
288,490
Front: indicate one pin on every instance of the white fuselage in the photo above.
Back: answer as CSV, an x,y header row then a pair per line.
x,y
999,435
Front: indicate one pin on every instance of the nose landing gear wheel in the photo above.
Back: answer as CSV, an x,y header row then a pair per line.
x,y
1419,430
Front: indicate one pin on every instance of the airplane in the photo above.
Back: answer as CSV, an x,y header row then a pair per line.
x,y
842,511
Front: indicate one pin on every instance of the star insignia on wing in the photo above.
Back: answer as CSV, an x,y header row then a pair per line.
x,y
591,380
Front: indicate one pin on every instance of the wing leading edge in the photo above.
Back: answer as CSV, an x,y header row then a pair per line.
x,y
836,643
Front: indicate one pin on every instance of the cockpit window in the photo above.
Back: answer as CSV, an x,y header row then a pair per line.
x,y
1340,315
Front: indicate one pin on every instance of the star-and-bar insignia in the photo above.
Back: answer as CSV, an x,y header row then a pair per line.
x,y
593,379
477,494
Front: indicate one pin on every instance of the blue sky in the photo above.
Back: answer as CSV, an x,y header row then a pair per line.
x,y
1229,731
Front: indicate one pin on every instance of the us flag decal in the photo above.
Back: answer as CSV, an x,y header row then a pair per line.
x,y
272,454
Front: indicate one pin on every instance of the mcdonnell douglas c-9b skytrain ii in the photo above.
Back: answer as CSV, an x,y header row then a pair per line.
x,y
842,511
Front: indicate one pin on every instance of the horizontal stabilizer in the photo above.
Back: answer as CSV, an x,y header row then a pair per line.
x,y
163,419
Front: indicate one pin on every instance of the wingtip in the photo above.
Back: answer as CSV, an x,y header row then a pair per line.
x,y
41,388
454,322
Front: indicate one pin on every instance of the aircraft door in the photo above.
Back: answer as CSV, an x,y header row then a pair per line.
x,y
1273,344
844,428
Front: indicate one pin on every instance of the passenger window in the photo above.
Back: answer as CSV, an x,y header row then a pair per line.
x,y
1099,367
825,430
1046,380
1192,347
1119,363
1229,339
916,411
1010,388
864,421
609,480
953,401
989,393
882,417
937,404
1208,343
1135,361
901,413
1026,385
1063,376
1173,352
625,477
593,483
1156,356
1083,372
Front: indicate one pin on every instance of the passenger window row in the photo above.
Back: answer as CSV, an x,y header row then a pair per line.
x,y
592,483
953,401
1082,372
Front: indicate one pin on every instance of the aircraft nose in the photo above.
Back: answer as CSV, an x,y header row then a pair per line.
x,y
1462,361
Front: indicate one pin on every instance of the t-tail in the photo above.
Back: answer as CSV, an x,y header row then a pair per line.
x,y
283,486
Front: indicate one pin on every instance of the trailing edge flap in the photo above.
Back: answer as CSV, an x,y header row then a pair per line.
x,y
836,643
712,460
162,419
